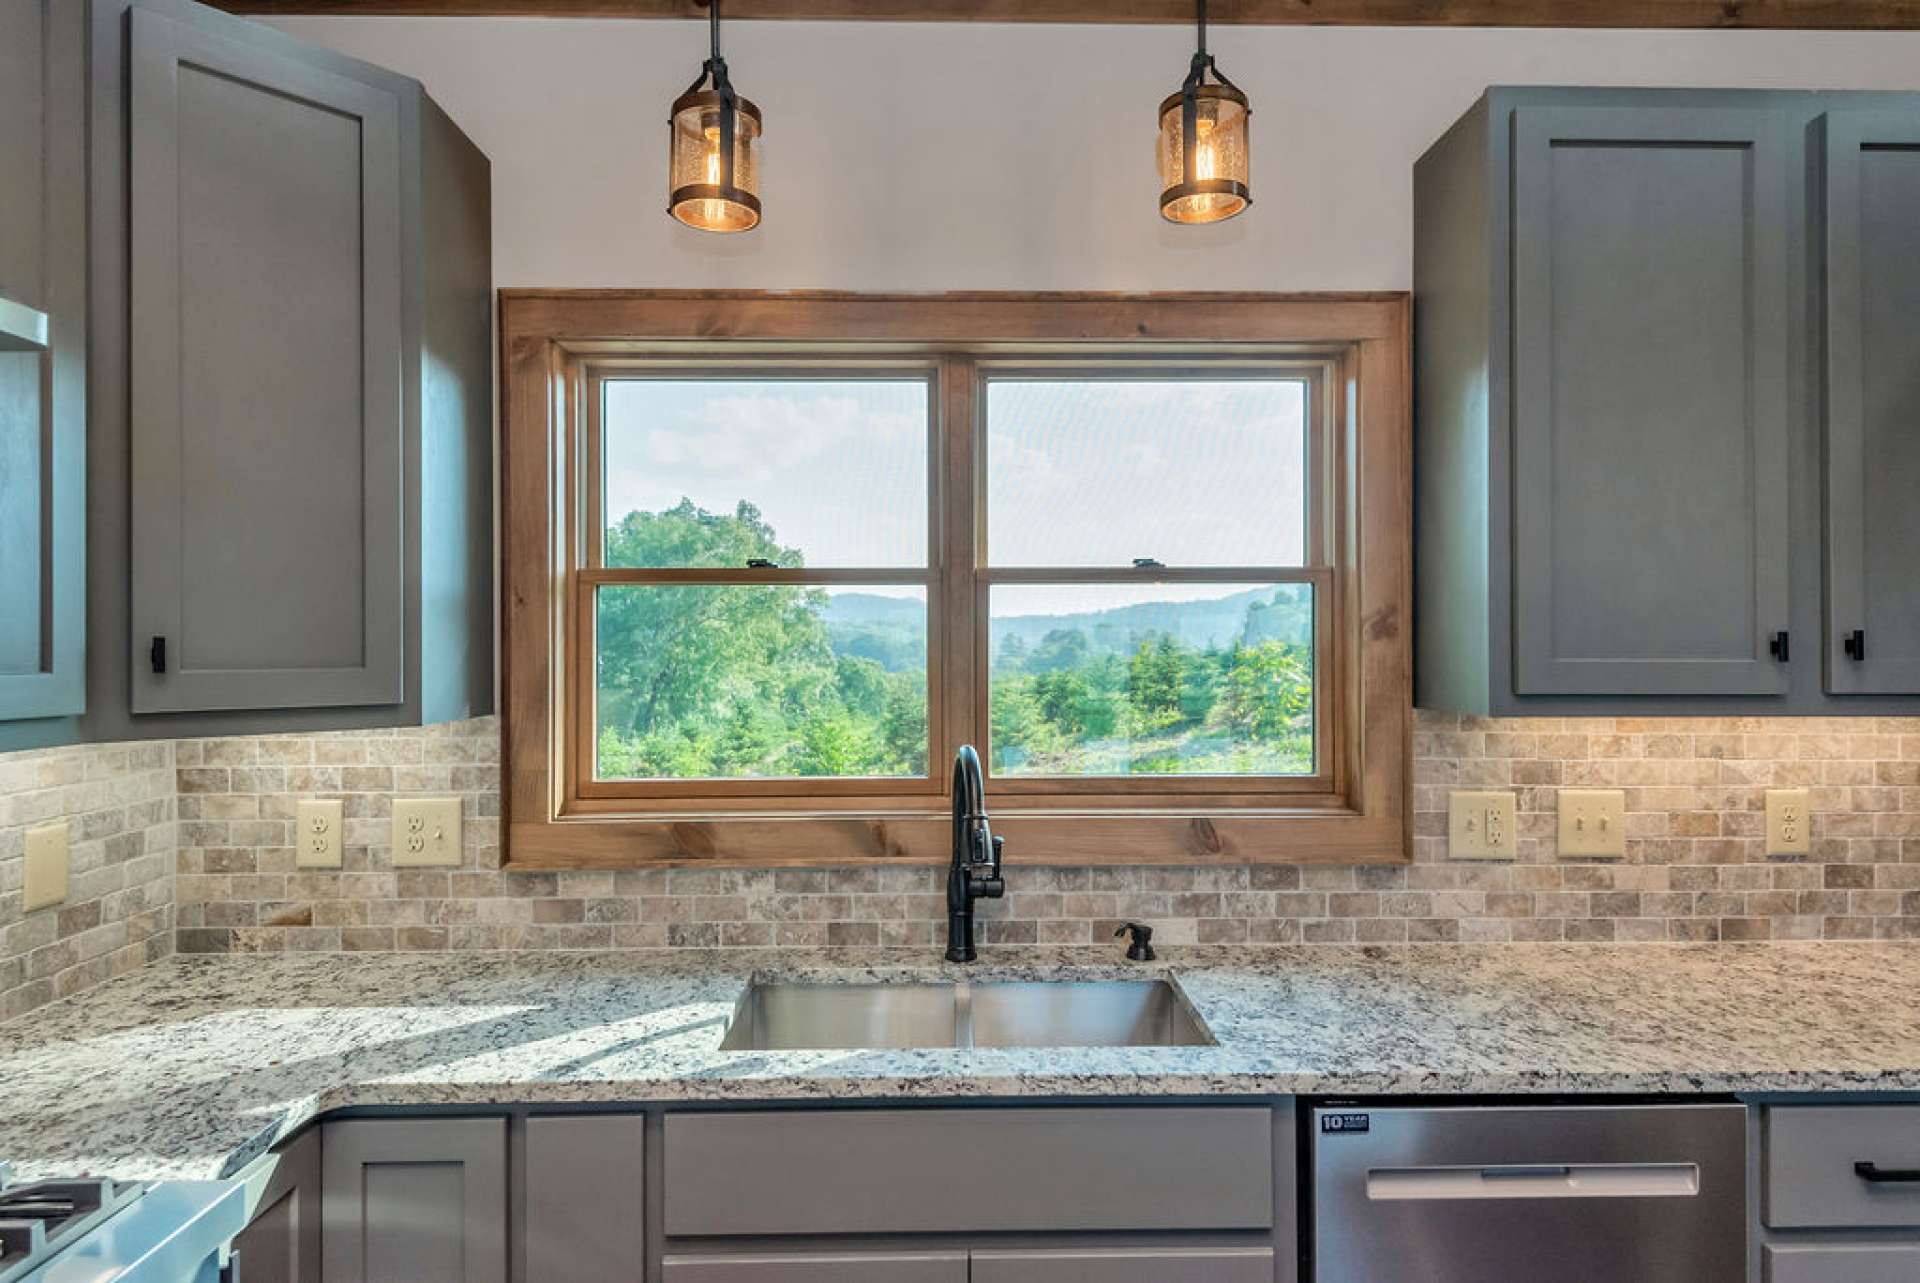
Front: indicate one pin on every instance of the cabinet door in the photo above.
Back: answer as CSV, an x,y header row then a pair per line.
x,y
850,1267
1873,403
416,1200
1127,1265
1651,291
281,1243
42,360
586,1198
1843,1263
266,383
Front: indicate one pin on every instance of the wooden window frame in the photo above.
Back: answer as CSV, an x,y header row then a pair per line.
x,y
1354,350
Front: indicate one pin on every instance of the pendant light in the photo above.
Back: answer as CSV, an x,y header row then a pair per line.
x,y
1203,143
713,156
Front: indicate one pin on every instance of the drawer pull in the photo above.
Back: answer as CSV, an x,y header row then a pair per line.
x,y
1870,1171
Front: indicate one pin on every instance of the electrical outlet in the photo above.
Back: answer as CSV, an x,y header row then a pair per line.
x,y
426,830
1480,825
1789,823
1593,822
46,871
316,842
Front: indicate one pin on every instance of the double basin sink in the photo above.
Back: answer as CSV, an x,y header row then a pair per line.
x,y
795,1016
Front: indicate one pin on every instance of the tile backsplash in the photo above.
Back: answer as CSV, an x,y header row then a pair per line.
x,y
117,801
1696,867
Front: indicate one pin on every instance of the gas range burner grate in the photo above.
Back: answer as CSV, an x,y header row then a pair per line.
x,y
41,1219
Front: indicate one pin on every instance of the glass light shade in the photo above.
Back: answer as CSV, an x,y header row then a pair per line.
x,y
1219,187
697,197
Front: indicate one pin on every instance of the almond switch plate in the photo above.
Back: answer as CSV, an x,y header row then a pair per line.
x,y
1789,823
1593,822
1480,825
316,840
426,830
46,871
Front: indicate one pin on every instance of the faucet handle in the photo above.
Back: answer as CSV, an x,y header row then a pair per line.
x,y
999,845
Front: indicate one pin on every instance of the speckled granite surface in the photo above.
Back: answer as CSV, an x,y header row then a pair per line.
x,y
193,1066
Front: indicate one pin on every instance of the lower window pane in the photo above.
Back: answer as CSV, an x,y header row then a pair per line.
x,y
1164,679
751,681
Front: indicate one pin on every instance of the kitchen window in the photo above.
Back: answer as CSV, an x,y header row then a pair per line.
x,y
759,588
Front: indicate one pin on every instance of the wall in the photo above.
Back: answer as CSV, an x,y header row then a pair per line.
x,y
1696,866
913,156
117,803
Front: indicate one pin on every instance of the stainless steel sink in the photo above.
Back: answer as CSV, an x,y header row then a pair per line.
x,y
794,1016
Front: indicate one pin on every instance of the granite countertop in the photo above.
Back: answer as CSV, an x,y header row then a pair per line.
x,y
194,1066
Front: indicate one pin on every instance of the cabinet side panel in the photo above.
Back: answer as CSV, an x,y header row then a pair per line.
x,y
586,1197
1451,372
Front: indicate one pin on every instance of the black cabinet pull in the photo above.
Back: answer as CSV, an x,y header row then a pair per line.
x,y
1856,645
157,653
1869,1171
1777,647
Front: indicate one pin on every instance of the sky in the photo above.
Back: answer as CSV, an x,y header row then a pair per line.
x,y
1079,473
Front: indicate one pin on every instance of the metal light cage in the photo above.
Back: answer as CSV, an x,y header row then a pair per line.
x,y
1203,147
713,150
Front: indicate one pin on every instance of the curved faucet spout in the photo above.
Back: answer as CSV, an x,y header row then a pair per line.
x,y
974,872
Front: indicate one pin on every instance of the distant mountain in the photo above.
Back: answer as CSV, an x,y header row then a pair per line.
x,y
892,630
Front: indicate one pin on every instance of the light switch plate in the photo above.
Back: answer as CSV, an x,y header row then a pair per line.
x,y
316,842
1789,823
1480,825
46,871
426,830
1593,822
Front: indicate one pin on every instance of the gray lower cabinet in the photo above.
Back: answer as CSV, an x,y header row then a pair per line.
x,y
281,1243
1872,161
419,1200
586,1198
1619,342
291,493
843,1267
1840,1200
43,355
1127,1265
1809,1263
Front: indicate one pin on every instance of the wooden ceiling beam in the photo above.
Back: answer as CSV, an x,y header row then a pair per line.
x,y
1855,15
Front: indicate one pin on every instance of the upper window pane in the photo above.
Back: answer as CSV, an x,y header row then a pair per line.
x,y
711,472
1189,472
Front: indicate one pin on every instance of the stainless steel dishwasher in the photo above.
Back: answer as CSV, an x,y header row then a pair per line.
x,y
1512,1194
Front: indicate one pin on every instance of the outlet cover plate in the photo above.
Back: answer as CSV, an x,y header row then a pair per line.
x,y
47,867
316,842
1593,822
426,831
1480,825
1789,823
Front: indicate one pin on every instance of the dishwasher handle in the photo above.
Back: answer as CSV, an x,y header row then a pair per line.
x,y
1518,1181
1868,1170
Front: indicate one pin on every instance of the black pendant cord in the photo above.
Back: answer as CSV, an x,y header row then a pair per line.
x,y
715,68
1190,97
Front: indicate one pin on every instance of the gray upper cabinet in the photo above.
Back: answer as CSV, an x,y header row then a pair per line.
x,y
291,484
42,371
266,391
1872,392
1617,374
417,1200
1649,400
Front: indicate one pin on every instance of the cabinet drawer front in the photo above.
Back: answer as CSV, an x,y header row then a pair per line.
x,y
963,1170
1811,1152
1127,1265
864,1267
1852,1264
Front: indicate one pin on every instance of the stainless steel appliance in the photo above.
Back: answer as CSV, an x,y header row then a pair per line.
x,y
1517,1193
104,1231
